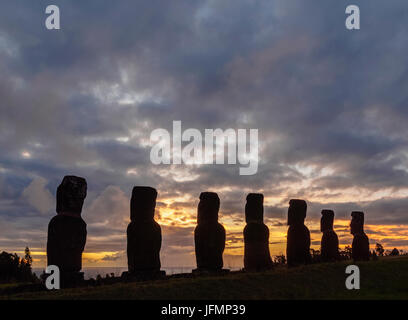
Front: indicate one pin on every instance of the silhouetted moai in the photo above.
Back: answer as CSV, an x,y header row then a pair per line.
x,y
143,234
330,242
256,235
298,242
67,231
360,246
209,235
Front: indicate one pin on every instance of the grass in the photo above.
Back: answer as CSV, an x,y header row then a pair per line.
x,y
386,278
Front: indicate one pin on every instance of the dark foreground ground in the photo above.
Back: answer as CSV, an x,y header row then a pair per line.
x,y
386,278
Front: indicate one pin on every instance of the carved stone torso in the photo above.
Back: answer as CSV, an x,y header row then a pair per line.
x,y
209,235
143,233
256,236
298,240
66,242
330,242
360,246
67,230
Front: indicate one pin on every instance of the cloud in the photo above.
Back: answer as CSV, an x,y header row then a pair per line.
x,y
111,208
112,257
38,196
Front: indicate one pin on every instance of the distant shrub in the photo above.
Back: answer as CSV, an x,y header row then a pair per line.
x,y
346,253
316,256
280,259
395,252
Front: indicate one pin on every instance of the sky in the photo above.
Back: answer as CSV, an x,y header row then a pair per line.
x,y
330,106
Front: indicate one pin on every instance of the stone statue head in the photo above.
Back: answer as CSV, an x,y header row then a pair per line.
x,y
357,222
297,211
143,203
71,194
208,207
326,222
254,207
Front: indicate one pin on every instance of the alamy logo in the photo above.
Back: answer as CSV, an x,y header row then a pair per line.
x,y
167,148
53,280
353,280
353,20
53,20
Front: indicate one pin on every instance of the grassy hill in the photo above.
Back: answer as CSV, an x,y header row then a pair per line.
x,y
386,278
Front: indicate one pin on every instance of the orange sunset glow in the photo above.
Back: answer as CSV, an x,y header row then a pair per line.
x,y
175,214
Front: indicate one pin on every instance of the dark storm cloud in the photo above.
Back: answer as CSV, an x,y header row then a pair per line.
x,y
83,100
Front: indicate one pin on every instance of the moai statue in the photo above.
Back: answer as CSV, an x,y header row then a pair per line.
x,y
67,231
209,235
143,234
330,242
298,242
360,246
256,235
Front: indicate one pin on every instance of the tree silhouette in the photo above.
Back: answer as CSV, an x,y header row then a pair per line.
x,y
379,249
346,253
28,259
14,269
